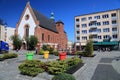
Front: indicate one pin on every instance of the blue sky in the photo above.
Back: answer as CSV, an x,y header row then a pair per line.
x,y
65,10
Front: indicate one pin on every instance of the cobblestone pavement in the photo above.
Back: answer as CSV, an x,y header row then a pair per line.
x,y
104,66
100,66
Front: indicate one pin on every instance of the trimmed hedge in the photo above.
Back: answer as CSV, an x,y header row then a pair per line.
x,y
55,52
31,68
8,56
34,67
58,67
1,58
63,76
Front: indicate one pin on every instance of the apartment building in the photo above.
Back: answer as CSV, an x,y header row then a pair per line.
x,y
2,32
103,28
9,32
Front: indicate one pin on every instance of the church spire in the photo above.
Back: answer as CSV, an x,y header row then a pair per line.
x,y
52,16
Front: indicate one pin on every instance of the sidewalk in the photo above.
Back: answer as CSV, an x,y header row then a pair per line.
x,y
102,67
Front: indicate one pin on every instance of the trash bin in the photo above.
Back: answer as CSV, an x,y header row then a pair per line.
x,y
62,56
46,54
29,56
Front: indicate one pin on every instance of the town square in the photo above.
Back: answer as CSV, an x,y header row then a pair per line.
x,y
59,40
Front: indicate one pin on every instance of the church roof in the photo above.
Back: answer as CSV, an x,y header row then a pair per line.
x,y
44,21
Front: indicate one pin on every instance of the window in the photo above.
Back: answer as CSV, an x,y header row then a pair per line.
x,y
90,18
106,36
98,30
90,24
105,16
113,15
42,36
106,23
78,32
78,38
84,31
77,26
27,17
83,19
84,25
77,20
27,31
97,17
98,24
106,30
114,22
48,37
114,36
114,29
99,37
90,31
84,38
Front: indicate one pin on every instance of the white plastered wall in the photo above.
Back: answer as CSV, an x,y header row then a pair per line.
x,y
23,22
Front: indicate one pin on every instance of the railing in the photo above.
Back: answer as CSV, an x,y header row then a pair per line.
x,y
114,32
114,25
114,18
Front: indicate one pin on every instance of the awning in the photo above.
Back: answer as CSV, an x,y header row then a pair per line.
x,y
106,43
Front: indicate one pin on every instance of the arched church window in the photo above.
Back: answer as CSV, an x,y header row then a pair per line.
x,y
27,31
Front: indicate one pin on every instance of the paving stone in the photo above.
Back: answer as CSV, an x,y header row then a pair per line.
x,y
106,60
105,72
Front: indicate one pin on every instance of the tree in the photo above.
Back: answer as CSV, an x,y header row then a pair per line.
x,y
89,48
32,42
17,42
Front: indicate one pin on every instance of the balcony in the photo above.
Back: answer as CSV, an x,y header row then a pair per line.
x,y
93,33
114,18
77,28
93,20
114,25
114,32
77,40
94,39
114,39
77,22
93,27
77,35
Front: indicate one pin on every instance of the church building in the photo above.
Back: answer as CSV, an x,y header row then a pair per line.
x,y
45,29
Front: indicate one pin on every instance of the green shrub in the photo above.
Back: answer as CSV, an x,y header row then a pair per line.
x,y
55,52
57,67
31,68
63,76
79,53
10,55
41,52
48,48
1,58
89,48
73,61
